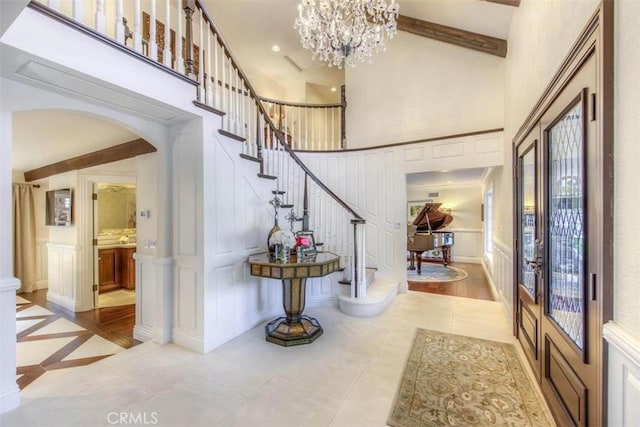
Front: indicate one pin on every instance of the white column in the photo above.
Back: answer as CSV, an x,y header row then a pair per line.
x,y
201,60
137,34
78,13
216,90
100,16
119,25
153,45
210,82
179,34
166,55
9,393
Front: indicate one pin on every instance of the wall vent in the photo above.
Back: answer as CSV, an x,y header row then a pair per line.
x,y
431,195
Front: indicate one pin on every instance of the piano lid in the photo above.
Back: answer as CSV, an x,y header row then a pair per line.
x,y
431,218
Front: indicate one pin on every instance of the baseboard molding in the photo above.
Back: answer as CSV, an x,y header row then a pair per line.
x,y
467,259
492,285
10,398
230,334
66,302
42,284
143,333
188,341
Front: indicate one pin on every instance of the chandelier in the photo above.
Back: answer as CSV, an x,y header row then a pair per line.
x,y
345,31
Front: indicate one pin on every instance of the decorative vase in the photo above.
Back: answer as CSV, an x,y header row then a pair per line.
x,y
272,250
282,253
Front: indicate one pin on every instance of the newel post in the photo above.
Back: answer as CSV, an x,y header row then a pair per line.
x,y
359,282
343,117
189,7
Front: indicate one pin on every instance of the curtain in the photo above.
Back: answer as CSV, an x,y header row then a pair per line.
x,y
24,237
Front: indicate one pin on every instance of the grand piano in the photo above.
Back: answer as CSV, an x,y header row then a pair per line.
x,y
425,235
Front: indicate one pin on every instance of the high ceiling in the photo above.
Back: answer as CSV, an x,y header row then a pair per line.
x,y
251,28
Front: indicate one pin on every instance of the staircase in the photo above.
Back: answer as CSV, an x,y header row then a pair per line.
x,y
224,90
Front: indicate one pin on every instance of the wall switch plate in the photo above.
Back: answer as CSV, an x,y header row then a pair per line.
x,y
145,213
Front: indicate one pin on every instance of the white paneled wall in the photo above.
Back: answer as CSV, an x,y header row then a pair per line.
x,y
468,245
153,298
623,375
63,267
42,265
373,183
501,271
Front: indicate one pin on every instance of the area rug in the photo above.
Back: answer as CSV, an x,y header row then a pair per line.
x,y
436,273
455,380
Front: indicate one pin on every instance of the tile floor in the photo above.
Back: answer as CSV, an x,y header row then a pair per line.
x,y
348,377
49,345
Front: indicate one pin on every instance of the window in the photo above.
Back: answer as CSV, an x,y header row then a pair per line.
x,y
488,221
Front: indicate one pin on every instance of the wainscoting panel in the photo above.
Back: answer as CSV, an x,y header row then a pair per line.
x,y
624,375
413,154
385,171
502,274
187,304
186,197
62,260
371,183
452,149
468,245
42,265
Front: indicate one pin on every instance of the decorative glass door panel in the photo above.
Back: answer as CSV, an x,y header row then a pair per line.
x,y
528,238
565,276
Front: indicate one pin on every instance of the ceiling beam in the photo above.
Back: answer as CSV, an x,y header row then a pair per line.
x,y
456,36
514,3
123,151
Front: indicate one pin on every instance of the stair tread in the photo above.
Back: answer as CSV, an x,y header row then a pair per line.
x,y
265,176
231,135
209,108
251,158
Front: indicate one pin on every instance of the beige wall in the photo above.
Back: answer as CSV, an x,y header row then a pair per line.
x,y
420,88
542,32
627,172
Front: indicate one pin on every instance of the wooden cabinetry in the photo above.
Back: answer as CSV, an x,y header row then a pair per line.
x,y
128,268
116,269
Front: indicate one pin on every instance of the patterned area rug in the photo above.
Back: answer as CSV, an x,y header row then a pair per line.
x,y
436,273
455,380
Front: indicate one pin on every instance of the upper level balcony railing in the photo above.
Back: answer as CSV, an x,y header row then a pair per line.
x,y
309,127
186,40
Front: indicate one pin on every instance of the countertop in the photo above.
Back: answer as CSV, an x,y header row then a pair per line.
x,y
117,245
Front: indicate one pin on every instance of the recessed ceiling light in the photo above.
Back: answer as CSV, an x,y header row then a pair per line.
x,y
444,171
333,89
275,48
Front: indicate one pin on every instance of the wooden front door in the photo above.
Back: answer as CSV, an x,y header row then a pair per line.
x,y
529,262
559,250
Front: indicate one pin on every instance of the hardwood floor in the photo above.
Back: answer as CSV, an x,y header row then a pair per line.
x,y
111,323
476,285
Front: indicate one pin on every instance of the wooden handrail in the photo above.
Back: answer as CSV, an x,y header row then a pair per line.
x,y
265,114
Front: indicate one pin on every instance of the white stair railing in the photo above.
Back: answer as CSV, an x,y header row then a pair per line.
x,y
308,127
198,51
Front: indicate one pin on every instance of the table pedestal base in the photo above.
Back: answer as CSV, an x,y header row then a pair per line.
x,y
287,333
